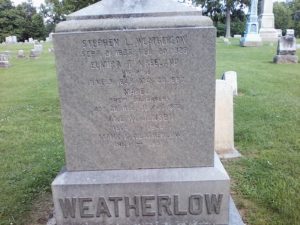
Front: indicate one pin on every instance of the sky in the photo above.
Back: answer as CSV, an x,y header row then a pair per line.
x,y
36,3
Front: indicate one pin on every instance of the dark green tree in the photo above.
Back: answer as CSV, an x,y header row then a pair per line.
x,y
55,11
283,16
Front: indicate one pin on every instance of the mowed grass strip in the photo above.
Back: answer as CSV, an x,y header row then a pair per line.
x,y
265,182
267,122
31,144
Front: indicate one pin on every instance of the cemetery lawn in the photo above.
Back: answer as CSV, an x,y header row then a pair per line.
x,y
265,182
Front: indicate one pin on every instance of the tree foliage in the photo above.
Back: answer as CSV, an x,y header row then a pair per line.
x,y
22,21
55,11
286,16
228,16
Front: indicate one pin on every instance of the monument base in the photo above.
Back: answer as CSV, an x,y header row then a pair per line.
x,y
268,35
4,64
251,40
196,196
285,59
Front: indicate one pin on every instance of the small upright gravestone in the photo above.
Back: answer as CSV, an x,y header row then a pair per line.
x,y
4,61
231,78
137,94
33,54
286,50
21,54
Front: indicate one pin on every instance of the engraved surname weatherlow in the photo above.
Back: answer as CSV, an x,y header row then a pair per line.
x,y
141,206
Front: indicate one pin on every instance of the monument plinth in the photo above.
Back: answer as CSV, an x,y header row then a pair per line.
x,y
267,30
137,90
251,36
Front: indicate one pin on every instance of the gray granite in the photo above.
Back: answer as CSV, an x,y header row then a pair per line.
x,y
133,8
137,90
132,99
133,14
197,186
4,61
234,216
286,49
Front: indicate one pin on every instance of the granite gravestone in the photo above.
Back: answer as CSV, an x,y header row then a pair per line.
x,y
137,89
4,61
286,49
251,36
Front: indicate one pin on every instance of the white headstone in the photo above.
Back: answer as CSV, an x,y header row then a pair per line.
x,y
224,130
4,61
267,30
21,54
231,79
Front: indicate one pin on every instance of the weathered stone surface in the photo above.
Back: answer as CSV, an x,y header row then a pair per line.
x,y
231,78
34,54
38,48
251,37
286,50
131,99
224,132
21,54
285,59
137,93
267,30
161,196
4,61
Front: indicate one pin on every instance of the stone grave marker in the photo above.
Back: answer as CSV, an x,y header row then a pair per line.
x,y
231,78
4,61
34,54
286,50
137,91
224,119
38,48
21,54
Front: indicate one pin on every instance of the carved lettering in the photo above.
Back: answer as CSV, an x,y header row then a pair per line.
x,y
134,206
164,202
68,207
83,208
213,204
195,204
176,207
102,208
147,206
116,201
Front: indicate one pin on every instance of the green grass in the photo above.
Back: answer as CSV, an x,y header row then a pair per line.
x,y
267,123
31,144
265,182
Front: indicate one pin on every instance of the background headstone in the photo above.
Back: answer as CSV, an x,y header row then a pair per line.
x,y
267,30
34,54
21,54
286,50
4,61
251,37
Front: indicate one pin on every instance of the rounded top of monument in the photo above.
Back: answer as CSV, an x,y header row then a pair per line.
x,y
133,8
133,14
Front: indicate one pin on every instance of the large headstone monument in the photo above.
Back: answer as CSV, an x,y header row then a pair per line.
x,y
286,49
4,61
251,36
267,29
137,90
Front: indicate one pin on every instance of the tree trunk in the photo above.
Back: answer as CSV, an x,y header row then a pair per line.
x,y
228,35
